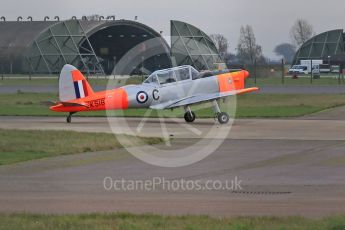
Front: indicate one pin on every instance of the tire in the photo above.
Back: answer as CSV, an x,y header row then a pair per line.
x,y
69,119
189,117
223,118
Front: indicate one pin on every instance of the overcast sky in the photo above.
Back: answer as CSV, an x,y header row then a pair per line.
x,y
271,19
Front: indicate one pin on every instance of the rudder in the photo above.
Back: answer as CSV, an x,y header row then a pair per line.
x,y
73,85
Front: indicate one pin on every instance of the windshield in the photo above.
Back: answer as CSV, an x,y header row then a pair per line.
x,y
299,67
152,79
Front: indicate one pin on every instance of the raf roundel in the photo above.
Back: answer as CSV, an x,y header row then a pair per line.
x,y
142,97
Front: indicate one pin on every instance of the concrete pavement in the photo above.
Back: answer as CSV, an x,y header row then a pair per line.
x,y
287,167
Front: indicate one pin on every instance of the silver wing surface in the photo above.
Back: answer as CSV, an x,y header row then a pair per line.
x,y
197,99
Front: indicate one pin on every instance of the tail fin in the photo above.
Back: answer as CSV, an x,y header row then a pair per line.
x,y
73,85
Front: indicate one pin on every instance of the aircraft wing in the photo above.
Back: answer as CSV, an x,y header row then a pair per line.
x,y
200,99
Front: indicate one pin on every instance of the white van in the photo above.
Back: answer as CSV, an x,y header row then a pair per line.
x,y
298,69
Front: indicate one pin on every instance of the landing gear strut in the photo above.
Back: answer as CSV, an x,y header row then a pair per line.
x,y
222,117
69,118
189,116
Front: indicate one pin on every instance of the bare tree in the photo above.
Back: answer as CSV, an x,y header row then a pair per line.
x,y
301,32
221,43
247,49
286,50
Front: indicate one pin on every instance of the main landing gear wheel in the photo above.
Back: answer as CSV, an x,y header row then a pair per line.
x,y
69,118
223,118
189,117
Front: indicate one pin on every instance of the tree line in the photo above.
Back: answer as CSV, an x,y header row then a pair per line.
x,y
248,51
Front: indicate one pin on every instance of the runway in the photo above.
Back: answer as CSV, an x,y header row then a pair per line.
x,y
287,167
308,128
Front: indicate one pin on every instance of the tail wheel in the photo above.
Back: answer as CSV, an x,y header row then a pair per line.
x,y
69,119
223,118
189,117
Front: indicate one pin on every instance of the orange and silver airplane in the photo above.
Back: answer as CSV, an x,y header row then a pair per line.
x,y
172,88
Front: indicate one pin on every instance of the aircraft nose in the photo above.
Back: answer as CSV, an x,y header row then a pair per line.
x,y
246,74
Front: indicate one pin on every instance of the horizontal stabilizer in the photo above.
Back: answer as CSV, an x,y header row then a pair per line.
x,y
71,104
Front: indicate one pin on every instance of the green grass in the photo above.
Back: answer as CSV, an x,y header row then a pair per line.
x,y
280,105
248,106
54,81
149,222
325,80
27,81
301,81
17,146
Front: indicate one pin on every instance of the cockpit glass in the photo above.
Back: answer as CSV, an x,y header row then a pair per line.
x,y
173,75
182,74
166,77
152,80
194,73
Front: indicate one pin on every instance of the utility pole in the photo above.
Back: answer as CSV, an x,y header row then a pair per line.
x,y
339,76
2,69
255,71
311,71
283,71
115,63
142,68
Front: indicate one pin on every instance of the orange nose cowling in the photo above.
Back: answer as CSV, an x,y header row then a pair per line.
x,y
232,81
238,79
245,73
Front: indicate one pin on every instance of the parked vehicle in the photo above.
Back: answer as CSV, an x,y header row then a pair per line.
x,y
325,68
306,67
316,72
298,69
335,69
311,64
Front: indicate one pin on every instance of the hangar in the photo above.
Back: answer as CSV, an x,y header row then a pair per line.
x,y
191,46
328,46
96,46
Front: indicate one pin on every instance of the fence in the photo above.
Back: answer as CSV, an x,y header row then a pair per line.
x,y
271,73
277,73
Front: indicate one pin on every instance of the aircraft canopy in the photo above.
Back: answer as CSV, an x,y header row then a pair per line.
x,y
172,75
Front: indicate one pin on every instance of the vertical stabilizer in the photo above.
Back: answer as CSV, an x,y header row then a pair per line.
x,y
73,85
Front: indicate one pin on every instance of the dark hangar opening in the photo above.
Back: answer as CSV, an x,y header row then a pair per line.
x,y
112,42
